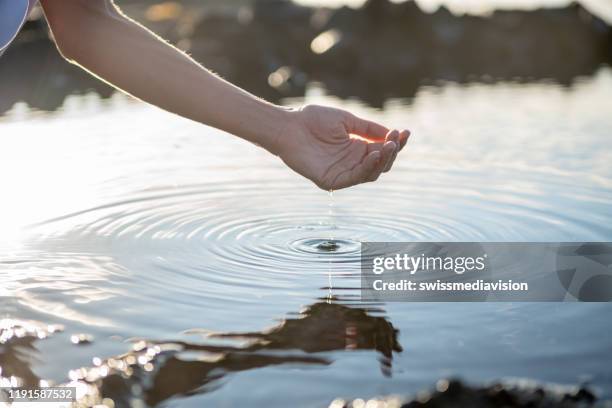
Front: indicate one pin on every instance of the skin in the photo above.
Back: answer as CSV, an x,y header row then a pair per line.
x,y
332,147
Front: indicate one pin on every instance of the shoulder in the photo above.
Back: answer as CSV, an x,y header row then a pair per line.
x,y
13,14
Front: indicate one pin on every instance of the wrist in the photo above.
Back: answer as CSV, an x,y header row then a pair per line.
x,y
285,124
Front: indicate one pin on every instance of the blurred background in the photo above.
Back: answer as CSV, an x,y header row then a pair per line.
x,y
122,222
372,50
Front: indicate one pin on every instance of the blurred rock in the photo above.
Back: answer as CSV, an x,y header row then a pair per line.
x,y
32,71
454,393
382,50
387,49
401,44
252,44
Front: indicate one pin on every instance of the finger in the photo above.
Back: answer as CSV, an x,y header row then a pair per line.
x,y
367,129
360,173
379,145
387,152
375,147
391,162
404,136
394,137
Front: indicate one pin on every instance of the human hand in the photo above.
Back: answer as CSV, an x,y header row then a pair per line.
x,y
335,149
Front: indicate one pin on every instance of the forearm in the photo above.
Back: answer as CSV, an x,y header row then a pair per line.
x,y
317,142
131,58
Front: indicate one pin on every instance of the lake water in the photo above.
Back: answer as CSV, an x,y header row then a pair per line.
x,y
124,222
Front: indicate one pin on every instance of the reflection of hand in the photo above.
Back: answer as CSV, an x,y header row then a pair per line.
x,y
335,149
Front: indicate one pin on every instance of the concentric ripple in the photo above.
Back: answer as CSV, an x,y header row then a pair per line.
x,y
155,226
204,239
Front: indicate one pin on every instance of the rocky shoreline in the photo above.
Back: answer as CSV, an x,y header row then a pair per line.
x,y
386,49
382,50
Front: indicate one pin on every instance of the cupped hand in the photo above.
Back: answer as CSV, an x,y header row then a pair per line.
x,y
336,149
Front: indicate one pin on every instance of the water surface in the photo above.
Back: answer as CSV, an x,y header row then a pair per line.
x,y
124,222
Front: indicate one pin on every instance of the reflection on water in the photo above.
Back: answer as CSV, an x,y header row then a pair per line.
x,y
156,371
124,223
18,349
327,326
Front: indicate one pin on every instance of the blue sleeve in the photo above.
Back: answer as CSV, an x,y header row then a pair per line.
x,y
13,14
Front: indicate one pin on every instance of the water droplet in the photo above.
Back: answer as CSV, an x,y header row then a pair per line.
x,y
326,246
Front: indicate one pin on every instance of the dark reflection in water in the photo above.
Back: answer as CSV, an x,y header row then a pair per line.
x,y
322,327
327,327
381,51
155,371
18,349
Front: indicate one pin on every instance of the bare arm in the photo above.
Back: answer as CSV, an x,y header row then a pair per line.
x,y
313,141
